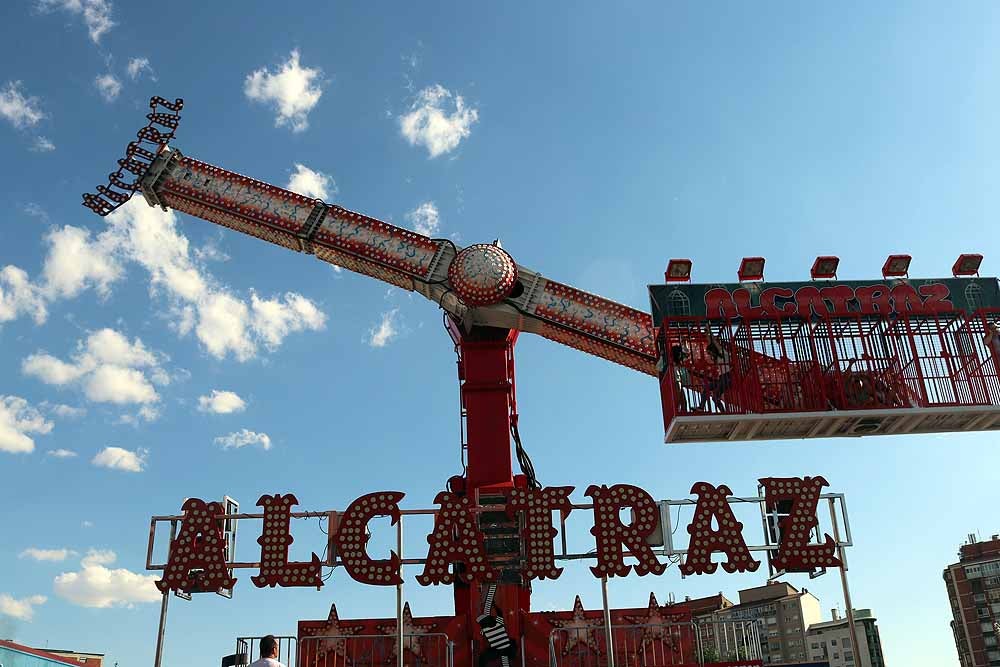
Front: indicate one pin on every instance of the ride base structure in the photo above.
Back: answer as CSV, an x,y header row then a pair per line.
x,y
738,362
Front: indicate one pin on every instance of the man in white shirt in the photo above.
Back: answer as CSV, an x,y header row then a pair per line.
x,y
268,653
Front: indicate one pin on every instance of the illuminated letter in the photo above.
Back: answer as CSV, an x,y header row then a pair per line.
x,y
719,302
936,298
352,539
795,554
769,301
611,532
275,538
838,296
456,539
537,533
874,300
728,539
906,300
201,547
743,304
808,301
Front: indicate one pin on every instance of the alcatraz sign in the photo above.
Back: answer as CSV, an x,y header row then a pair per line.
x,y
824,299
197,557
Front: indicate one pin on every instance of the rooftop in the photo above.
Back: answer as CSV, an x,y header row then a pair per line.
x,y
706,604
973,549
859,615
767,592
38,653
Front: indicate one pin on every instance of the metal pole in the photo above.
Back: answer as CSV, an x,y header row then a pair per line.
x,y
607,622
399,596
843,581
163,605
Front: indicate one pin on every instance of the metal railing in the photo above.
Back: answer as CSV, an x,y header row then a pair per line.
x,y
423,650
248,649
728,641
686,644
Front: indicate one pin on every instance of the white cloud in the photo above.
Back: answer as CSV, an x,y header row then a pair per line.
x,y
87,524
136,66
96,14
21,111
109,368
98,557
273,319
222,326
146,413
62,453
210,253
221,402
50,370
244,438
385,331
42,145
64,411
23,609
95,585
222,322
309,183
18,296
51,555
76,261
114,384
424,219
108,86
293,91
117,458
438,120
35,210
17,421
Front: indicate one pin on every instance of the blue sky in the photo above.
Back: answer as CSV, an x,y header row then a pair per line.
x,y
596,140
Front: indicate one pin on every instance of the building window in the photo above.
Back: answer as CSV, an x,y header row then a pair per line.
x,y
848,656
815,645
845,642
833,642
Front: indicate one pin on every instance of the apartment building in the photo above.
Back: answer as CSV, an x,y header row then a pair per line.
x,y
783,615
831,641
973,585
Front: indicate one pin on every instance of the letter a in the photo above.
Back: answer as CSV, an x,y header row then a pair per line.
x,y
705,541
197,558
456,539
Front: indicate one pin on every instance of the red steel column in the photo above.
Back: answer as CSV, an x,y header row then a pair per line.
x,y
487,394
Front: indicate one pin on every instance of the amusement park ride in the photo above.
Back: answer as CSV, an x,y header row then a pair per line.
x,y
740,362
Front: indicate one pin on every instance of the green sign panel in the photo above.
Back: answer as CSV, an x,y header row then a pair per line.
x,y
824,299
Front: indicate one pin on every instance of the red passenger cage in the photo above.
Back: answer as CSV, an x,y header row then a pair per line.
x,y
757,361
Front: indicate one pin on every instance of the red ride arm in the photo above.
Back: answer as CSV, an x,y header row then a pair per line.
x,y
365,245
